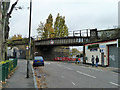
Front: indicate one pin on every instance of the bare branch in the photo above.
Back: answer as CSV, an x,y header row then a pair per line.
x,y
12,7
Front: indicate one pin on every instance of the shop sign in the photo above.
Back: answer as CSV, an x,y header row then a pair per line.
x,y
93,49
102,46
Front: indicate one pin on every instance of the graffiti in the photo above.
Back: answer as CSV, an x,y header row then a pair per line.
x,y
112,57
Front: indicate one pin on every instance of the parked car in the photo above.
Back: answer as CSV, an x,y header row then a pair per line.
x,y
38,61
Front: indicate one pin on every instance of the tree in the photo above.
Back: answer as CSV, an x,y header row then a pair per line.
x,y
40,29
47,31
16,37
4,25
60,28
48,27
74,51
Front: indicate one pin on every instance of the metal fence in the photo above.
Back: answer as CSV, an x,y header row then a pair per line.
x,y
6,68
80,33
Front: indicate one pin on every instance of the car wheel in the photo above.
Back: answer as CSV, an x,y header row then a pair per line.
x,y
43,64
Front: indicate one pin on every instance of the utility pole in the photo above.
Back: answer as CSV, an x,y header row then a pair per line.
x,y
29,39
1,34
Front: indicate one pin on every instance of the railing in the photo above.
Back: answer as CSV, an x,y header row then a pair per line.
x,y
80,33
6,67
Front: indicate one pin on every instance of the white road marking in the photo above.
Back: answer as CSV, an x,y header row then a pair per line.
x,y
64,67
62,77
68,68
73,83
47,63
114,83
59,65
86,74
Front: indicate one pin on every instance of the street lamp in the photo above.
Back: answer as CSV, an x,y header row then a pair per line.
x,y
29,38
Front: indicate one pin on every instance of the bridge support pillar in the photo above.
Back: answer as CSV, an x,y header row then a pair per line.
x,y
84,56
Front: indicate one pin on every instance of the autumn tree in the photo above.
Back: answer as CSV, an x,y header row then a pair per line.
x,y
47,31
16,37
48,26
74,51
40,29
60,28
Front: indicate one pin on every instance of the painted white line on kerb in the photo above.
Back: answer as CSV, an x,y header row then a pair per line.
x,y
86,74
73,83
96,69
91,68
114,83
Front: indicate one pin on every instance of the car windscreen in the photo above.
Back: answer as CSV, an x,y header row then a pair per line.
x,y
38,58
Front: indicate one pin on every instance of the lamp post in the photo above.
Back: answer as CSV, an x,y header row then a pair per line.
x,y
29,39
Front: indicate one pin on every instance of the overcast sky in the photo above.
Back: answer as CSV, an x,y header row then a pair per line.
x,y
79,14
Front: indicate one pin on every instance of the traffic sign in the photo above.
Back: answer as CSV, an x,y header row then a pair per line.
x,y
27,47
51,42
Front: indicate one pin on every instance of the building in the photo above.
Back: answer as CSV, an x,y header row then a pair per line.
x,y
107,51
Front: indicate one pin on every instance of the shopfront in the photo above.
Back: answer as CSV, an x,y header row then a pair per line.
x,y
107,52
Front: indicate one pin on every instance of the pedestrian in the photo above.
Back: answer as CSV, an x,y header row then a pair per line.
x,y
76,60
92,60
97,60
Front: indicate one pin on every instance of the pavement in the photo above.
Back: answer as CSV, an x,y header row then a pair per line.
x,y
18,79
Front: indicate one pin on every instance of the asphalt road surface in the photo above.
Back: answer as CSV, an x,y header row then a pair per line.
x,y
67,75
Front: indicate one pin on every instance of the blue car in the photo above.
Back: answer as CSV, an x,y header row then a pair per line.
x,y
38,61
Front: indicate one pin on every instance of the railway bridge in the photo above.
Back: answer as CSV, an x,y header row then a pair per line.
x,y
50,48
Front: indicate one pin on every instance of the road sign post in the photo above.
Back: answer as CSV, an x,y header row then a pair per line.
x,y
118,42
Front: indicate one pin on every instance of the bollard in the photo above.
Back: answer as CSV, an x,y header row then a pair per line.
x,y
6,70
10,67
0,72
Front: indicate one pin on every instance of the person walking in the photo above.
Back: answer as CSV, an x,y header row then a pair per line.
x,y
97,60
76,60
92,60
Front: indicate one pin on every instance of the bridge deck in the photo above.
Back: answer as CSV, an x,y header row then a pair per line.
x,y
63,41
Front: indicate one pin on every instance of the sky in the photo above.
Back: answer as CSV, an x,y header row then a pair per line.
x,y
79,14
